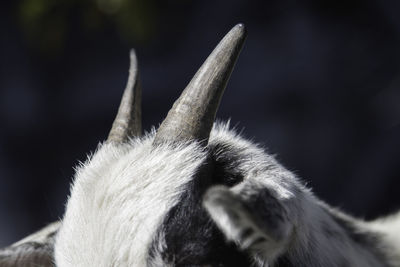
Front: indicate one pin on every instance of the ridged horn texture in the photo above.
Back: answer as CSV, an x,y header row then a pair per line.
x,y
193,114
128,122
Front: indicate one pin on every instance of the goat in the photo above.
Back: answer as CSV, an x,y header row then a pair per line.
x,y
195,193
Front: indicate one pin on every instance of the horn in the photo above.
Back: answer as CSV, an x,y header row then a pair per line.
x,y
128,122
192,115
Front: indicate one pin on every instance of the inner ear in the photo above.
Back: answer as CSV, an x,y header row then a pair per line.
x,y
244,221
233,218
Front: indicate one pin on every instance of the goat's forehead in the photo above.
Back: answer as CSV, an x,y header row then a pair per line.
x,y
124,202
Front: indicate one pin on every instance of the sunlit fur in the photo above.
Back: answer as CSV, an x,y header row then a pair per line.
x,y
121,196
118,200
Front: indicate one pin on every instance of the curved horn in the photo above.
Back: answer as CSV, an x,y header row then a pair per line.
x,y
192,115
129,118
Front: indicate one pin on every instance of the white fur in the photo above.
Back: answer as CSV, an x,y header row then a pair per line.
x,y
118,200
389,228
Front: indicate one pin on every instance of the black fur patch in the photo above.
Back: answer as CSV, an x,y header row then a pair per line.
x,y
225,160
284,261
191,238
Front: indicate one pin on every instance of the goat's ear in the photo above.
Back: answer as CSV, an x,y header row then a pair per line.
x,y
34,250
256,222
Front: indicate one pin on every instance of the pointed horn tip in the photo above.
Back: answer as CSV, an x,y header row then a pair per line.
x,y
132,57
240,30
128,120
241,27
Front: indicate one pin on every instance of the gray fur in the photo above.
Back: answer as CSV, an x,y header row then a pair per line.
x,y
34,250
291,226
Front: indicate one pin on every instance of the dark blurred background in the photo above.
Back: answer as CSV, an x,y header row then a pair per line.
x,y
317,83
